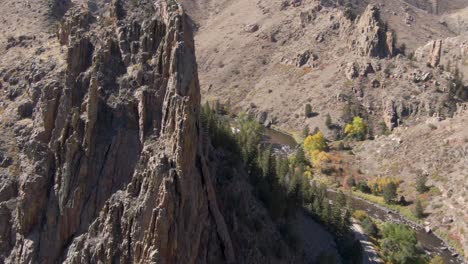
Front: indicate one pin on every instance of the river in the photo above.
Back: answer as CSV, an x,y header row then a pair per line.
x,y
432,245
429,241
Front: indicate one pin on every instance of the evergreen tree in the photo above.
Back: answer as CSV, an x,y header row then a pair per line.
x,y
421,184
306,131
351,182
300,156
317,207
336,216
328,121
346,221
369,227
390,192
341,200
308,110
418,209
326,211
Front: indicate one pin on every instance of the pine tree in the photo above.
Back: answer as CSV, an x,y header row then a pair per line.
x,y
328,121
317,207
336,215
306,131
346,221
326,211
418,209
390,192
341,200
308,110
421,184
300,156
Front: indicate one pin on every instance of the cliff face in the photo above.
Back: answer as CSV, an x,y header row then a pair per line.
x,y
110,167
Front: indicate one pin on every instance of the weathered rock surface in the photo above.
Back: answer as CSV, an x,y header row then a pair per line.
x,y
372,38
436,49
113,168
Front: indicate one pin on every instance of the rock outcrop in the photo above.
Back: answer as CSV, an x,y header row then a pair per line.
x,y
58,8
113,169
436,50
371,37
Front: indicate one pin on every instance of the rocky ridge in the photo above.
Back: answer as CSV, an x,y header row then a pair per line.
x,y
103,158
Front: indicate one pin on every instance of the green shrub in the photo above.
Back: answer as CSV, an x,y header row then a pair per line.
x,y
369,227
421,184
399,244
390,192
363,187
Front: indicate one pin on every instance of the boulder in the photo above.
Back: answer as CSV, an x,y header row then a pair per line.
x,y
251,28
25,109
375,83
427,229
367,69
351,70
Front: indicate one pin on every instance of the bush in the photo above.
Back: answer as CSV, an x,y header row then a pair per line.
x,y
369,227
390,192
399,244
378,184
351,182
357,129
437,260
360,215
363,187
421,184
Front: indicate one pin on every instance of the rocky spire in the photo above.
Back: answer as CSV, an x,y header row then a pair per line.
x,y
371,36
118,171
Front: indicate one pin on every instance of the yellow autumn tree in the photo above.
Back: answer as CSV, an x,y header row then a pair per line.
x,y
357,129
315,147
315,142
320,159
378,184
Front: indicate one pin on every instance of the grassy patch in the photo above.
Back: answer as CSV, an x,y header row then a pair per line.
x,y
348,84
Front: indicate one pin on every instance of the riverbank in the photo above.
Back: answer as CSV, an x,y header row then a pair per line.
x,y
431,242
411,220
